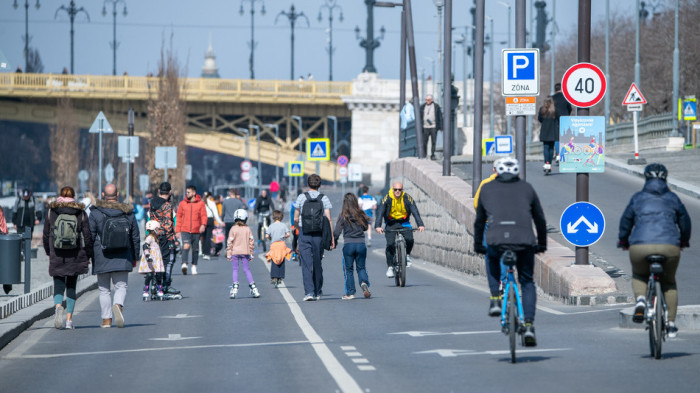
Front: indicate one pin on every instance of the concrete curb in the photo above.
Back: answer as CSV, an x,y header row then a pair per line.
x,y
555,274
638,170
15,324
687,318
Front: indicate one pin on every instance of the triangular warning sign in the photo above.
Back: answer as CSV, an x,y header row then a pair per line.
x,y
101,124
318,151
634,96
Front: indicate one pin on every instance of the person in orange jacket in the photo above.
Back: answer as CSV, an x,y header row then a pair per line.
x,y
191,221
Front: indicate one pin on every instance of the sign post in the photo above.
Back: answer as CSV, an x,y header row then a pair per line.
x,y
128,150
166,157
634,101
688,112
99,126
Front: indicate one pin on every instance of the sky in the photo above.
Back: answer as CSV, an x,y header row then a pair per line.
x,y
149,24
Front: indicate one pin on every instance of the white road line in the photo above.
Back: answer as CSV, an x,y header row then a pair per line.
x,y
173,337
345,381
366,368
451,353
70,354
349,348
360,360
353,354
423,334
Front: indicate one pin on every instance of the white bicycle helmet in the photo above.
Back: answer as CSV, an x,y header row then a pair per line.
x,y
152,225
240,215
507,165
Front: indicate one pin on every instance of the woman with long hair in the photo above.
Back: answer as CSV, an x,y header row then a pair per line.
x,y
549,132
68,243
352,222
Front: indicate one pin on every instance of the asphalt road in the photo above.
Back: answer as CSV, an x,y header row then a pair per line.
x,y
610,192
431,336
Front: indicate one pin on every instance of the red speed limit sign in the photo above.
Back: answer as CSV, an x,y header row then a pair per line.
x,y
584,85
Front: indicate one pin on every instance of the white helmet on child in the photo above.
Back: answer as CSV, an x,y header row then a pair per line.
x,y
152,225
507,165
240,215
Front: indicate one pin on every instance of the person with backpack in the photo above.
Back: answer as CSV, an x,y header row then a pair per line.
x,y
68,243
116,251
310,208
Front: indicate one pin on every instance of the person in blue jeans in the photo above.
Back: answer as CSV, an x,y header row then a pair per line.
x,y
352,222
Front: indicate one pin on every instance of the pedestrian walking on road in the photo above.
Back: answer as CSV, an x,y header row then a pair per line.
x,y
240,248
68,243
191,222
310,208
152,261
213,220
353,223
277,233
549,132
229,207
116,251
161,210
655,222
431,114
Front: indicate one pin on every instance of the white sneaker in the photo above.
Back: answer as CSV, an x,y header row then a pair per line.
x,y
390,272
59,314
672,330
194,270
408,261
184,268
206,257
234,291
547,166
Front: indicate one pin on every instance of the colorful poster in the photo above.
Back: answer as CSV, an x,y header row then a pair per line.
x,y
582,144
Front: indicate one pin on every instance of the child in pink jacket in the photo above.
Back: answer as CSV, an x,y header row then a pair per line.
x,y
239,248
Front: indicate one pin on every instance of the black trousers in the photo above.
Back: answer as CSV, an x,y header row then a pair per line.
x,y
432,133
168,260
391,242
206,242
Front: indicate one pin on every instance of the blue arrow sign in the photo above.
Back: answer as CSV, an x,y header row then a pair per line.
x,y
251,203
582,224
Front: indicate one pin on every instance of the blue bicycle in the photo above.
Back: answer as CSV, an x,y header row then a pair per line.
x,y
512,321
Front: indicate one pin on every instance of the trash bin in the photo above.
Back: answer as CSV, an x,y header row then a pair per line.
x,y
10,265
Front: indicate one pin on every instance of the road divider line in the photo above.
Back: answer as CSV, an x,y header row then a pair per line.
x,y
345,381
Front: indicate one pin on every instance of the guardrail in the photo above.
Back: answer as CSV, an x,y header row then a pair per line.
x,y
193,89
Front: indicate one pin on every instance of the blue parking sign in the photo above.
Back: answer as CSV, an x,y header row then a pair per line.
x,y
582,224
521,72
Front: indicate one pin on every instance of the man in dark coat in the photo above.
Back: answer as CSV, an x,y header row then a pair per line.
x,y
113,266
161,210
432,123
24,212
564,108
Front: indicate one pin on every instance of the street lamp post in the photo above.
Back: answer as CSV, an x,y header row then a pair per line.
x,y
277,149
637,67
257,134
114,44
369,43
462,40
441,78
247,155
292,15
492,117
26,30
507,5
676,74
330,5
72,11
252,43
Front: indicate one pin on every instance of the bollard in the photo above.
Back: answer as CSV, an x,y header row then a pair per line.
x,y
27,237
10,265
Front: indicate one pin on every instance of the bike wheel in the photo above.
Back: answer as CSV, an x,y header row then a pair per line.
x,y
402,265
512,325
658,320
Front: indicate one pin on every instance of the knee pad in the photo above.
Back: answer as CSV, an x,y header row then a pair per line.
x,y
186,246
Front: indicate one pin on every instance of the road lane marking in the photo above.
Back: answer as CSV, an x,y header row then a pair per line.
x,y
213,346
181,316
353,354
366,368
348,348
173,337
415,333
359,360
451,353
345,381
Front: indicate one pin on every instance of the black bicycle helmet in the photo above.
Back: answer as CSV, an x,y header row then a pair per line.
x,y
655,171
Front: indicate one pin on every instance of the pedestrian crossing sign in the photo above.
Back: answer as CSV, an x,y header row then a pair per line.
x,y
317,149
688,109
296,168
488,146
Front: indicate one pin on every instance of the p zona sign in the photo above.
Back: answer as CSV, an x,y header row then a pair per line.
x,y
521,72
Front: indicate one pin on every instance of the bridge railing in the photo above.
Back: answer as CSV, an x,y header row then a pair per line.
x,y
194,89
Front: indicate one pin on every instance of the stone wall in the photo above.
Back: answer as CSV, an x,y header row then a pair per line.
x,y
447,209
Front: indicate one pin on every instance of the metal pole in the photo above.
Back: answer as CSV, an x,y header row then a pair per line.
x,y
291,72
252,40
414,75
72,18
636,139
26,35
27,237
447,134
607,62
676,74
464,78
128,167
330,45
100,155
554,46
520,131
114,41
636,48
441,77
130,170
584,55
478,92
402,64
492,47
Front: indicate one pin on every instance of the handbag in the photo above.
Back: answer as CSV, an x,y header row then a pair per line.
x,y
217,235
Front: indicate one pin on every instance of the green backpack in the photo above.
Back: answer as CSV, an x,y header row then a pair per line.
x,y
66,232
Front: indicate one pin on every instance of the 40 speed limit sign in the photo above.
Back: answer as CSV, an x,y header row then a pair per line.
x,y
584,85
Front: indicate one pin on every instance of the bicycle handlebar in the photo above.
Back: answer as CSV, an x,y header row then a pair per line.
x,y
401,230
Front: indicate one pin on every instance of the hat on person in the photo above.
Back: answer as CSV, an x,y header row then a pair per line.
x,y
26,192
152,225
164,187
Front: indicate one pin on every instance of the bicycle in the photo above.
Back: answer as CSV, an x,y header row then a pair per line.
x,y
400,256
263,224
512,321
656,313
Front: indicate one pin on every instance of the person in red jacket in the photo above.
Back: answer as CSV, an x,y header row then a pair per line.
x,y
191,221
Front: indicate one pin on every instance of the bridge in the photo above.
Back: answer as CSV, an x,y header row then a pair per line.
x,y
218,110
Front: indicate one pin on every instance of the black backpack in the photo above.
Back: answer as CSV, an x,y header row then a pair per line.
x,y
116,233
312,215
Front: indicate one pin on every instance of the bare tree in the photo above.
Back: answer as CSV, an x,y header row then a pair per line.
x,y
64,145
167,119
34,63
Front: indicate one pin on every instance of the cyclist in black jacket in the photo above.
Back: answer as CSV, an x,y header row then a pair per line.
x,y
511,205
396,208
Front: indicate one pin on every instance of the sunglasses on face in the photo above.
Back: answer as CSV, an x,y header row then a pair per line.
x,y
398,189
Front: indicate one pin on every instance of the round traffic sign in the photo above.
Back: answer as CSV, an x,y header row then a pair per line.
x,y
83,175
343,171
584,85
246,165
245,176
582,224
343,160
253,171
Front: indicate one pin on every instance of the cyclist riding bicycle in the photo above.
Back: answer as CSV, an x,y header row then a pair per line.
x,y
396,209
263,208
655,222
511,205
